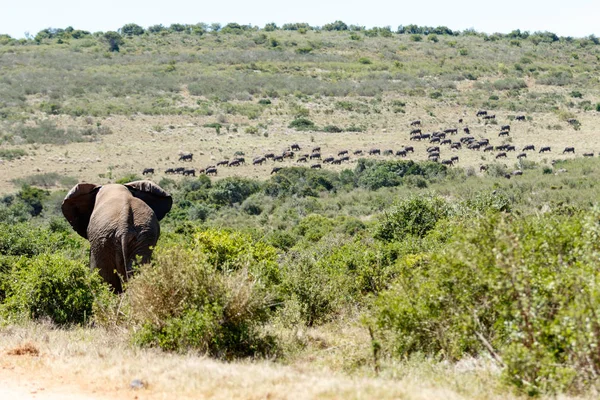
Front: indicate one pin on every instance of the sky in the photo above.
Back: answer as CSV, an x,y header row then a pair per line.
x,y
577,18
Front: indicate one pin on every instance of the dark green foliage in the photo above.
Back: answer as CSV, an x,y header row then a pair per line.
x,y
50,286
131,30
114,40
301,182
232,190
302,124
374,174
335,26
415,216
332,129
33,198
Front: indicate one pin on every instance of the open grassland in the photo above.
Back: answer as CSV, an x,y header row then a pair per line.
x,y
384,275
78,110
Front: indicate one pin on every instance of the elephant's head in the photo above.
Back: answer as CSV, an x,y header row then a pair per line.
x,y
79,203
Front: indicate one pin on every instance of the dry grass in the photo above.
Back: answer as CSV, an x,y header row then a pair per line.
x,y
100,364
135,144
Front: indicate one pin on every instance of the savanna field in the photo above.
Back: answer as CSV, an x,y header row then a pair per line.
x,y
356,213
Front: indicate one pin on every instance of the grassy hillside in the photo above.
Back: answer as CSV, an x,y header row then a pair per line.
x,y
238,90
396,270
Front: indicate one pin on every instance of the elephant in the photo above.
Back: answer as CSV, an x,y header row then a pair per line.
x,y
120,222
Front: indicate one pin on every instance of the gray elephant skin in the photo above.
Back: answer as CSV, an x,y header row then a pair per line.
x,y
120,222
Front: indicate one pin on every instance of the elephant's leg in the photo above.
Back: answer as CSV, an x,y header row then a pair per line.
x,y
102,260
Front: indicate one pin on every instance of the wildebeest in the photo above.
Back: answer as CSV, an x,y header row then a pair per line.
x,y
482,168
415,122
240,160
269,155
315,155
446,141
276,170
169,171
345,158
211,171
316,149
451,131
328,160
259,160
484,142
588,154
520,118
401,153
480,113
278,158
446,162
503,133
388,152
433,154
505,128
425,135
454,159
433,148
435,139
288,154
492,116
186,157
233,163
189,172
416,137
474,146
456,145
336,161
522,155
179,170
415,132
148,171
529,147
223,162
316,166
358,152
295,147
569,150
374,151
342,152
488,148
301,159
409,148
510,147
501,154
467,130
545,149
572,121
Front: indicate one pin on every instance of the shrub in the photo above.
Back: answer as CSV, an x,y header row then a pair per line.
x,y
182,302
523,287
509,84
11,154
50,286
302,124
414,216
332,129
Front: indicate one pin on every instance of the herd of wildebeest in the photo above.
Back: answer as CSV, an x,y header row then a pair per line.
x,y
438,141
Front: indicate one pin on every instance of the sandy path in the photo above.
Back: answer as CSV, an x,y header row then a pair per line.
x,y
16,384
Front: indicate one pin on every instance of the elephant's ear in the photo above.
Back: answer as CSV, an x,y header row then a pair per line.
x,y
159,200
78,205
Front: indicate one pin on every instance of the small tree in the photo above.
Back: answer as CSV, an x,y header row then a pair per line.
x,y
114,40
132,30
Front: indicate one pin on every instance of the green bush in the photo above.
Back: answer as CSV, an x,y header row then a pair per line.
x,y
50,286
414,216
524,287
302,124
182,302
